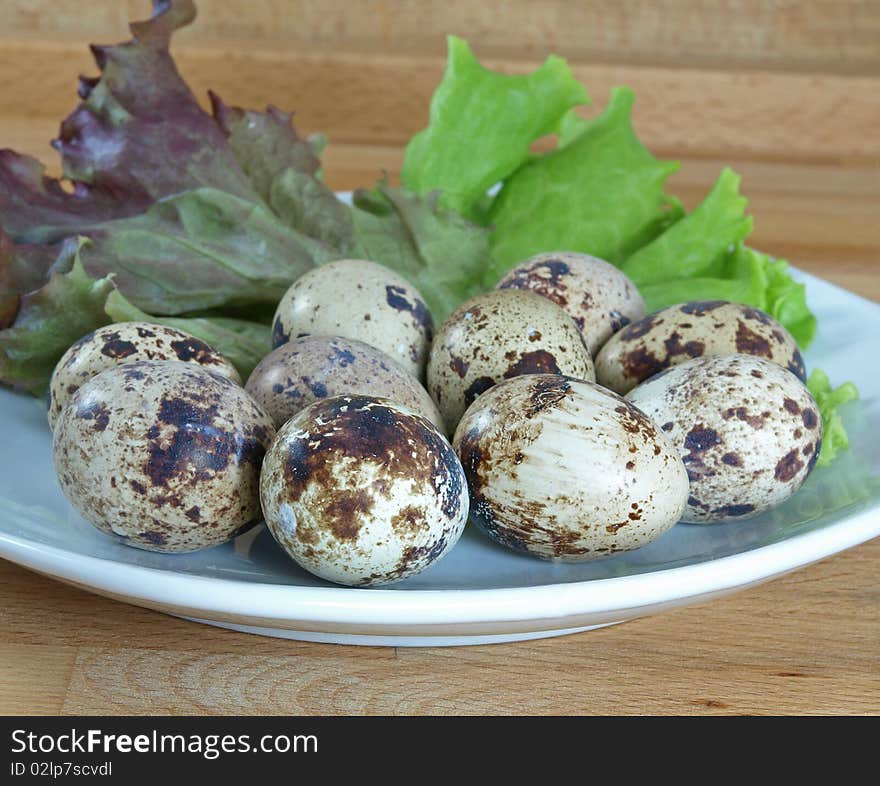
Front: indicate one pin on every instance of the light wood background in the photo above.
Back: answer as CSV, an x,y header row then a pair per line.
x,y
786,92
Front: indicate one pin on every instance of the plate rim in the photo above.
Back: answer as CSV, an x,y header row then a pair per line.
x,y
427,607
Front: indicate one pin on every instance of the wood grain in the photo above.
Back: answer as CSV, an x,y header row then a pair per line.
x,y
788,93
806,643
823,35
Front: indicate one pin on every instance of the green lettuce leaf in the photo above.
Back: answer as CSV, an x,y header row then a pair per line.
x,y
48,321
202,249
786,300
435,248
285,170
835,439
699,241
602,194
482,124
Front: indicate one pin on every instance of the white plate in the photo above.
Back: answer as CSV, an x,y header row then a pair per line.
x,y
480,593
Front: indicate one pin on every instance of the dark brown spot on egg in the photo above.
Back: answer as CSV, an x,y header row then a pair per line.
x,y
742,413
408,521
695,503
540,361
279,334
796,366
477,387
757,374
193,349
788,466
731,511
757,315
639,328
153,537
791,406
814,457
546,392
345,512
697,441
117,348
396,298
699,308
459,365
674,347
641,364
194,514
144,332
139,487
544,278
732,459
196,443
809,418
97,412
318,389
750,343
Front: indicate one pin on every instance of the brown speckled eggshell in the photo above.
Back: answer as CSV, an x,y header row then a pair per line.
x,y
748,431
689,330
363,491
306,369
362,300
163,454
498,335
566,470
597,295
126,342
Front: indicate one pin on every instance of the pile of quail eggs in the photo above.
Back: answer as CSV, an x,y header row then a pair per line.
x,y
550,411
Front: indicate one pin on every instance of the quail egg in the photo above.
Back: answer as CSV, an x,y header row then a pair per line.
x,y
593,292
305,369
363,491
498,335
564,469
164,454
748,431
690,330
126,342
362,300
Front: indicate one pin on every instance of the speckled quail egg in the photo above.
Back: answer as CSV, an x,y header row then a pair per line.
x,y
306,369
164,454
689,330
363,491
358,299
499,335
593,292
564,469
126,342
748,431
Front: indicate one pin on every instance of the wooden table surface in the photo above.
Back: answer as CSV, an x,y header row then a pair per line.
x,y
787,93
